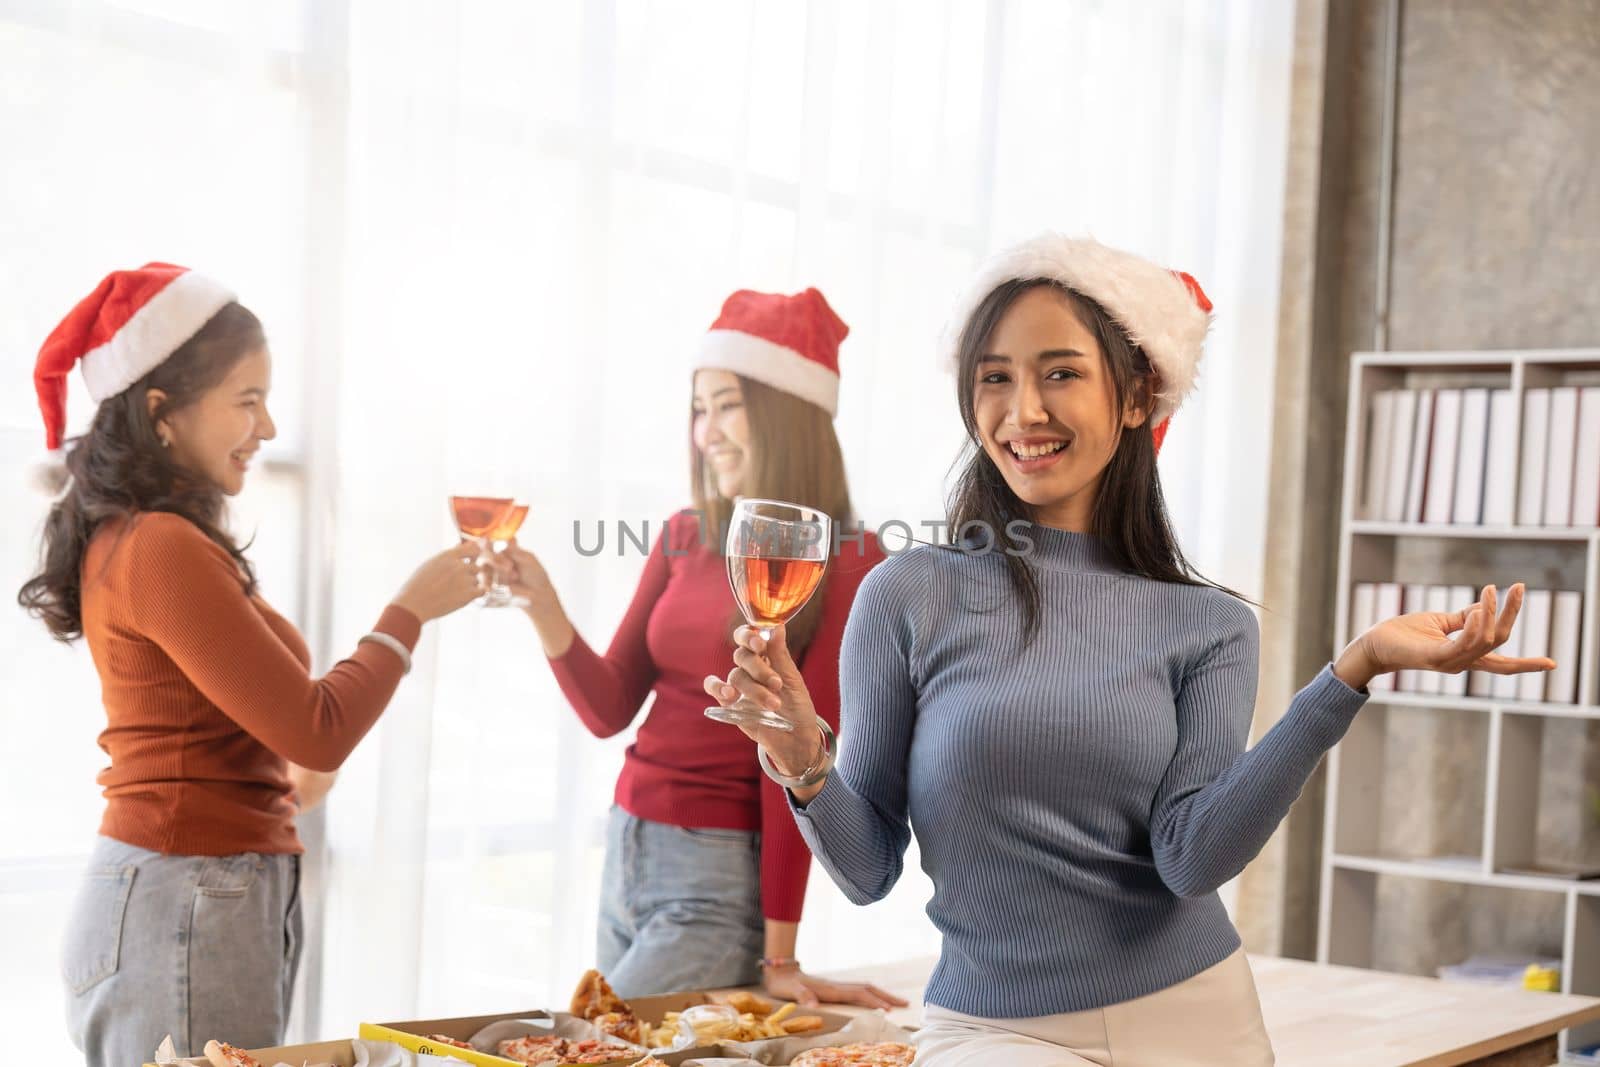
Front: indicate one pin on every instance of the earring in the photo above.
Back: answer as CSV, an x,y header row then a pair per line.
x,y
165,443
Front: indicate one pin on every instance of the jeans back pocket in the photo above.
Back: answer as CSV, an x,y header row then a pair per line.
x,y
93,943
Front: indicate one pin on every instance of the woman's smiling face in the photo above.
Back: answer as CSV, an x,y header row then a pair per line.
x,y
721,430
1046,408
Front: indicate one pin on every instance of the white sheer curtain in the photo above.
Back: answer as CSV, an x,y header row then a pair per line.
x,y
485,235
548,204
128,132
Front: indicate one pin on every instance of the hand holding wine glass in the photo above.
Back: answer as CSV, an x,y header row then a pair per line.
x,y
766,676
525,576
777,553
444,583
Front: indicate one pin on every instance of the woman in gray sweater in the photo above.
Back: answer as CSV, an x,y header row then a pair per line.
x,y
1060,704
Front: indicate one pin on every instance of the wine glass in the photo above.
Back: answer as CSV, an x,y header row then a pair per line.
x,y
777,553
478,517
498,595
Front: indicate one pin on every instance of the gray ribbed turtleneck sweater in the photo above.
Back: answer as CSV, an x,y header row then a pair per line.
x,y
1076,802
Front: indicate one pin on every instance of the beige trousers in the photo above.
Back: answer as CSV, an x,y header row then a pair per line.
x,y
1213,1018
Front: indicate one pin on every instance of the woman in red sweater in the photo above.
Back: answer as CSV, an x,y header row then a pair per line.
x,y
705,871
188,919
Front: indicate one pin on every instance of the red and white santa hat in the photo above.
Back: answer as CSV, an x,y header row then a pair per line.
x,y
788,342
1164,312
122,331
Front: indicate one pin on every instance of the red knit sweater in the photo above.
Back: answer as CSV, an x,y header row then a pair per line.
x,y
682,768
207,693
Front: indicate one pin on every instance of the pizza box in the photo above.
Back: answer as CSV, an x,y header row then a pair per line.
x,y
340,1053
414,1034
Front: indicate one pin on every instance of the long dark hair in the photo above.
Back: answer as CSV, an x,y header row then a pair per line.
x,y
119,468
1130,515
795,456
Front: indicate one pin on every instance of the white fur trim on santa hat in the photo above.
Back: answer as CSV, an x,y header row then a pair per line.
x,y
153,333
1151,302
771,364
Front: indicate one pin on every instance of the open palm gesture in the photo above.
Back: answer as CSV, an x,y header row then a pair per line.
x,y
1447,642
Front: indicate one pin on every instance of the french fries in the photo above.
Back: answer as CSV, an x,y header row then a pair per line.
x,y
756,1020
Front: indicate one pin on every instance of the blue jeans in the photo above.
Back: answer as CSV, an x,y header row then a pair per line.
x,y
198,947
679,908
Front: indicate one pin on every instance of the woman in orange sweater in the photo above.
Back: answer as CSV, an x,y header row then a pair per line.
x,y
188,919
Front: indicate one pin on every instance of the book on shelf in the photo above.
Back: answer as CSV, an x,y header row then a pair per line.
x,y
1562,449
1438,505
1586,464
1566,620
1401,433
1534,622
1472,460
1535,442
1417,477
1500,461
1380,438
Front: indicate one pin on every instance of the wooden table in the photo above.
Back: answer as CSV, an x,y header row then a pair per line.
x,y
1324,1016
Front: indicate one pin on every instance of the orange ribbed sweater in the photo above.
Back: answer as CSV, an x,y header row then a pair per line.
x,y
207,693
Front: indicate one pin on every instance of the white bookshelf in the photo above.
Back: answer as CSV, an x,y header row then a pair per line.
x,y
1546,557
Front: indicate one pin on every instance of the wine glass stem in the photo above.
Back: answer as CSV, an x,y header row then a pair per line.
x,y
496,586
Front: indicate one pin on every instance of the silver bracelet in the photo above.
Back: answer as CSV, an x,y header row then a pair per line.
x,y
393,644
811,775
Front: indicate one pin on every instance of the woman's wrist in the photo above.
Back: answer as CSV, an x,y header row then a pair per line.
x,y
1354,666
408,606
817,766
556,632
797,753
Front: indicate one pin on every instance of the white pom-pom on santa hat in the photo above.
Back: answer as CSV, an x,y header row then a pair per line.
x,y
124,329
50,476
1164,312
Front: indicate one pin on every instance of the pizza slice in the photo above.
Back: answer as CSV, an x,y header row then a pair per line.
x,y
222,1054
594,997
861,1054
621,1025
534,1050
594,1050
